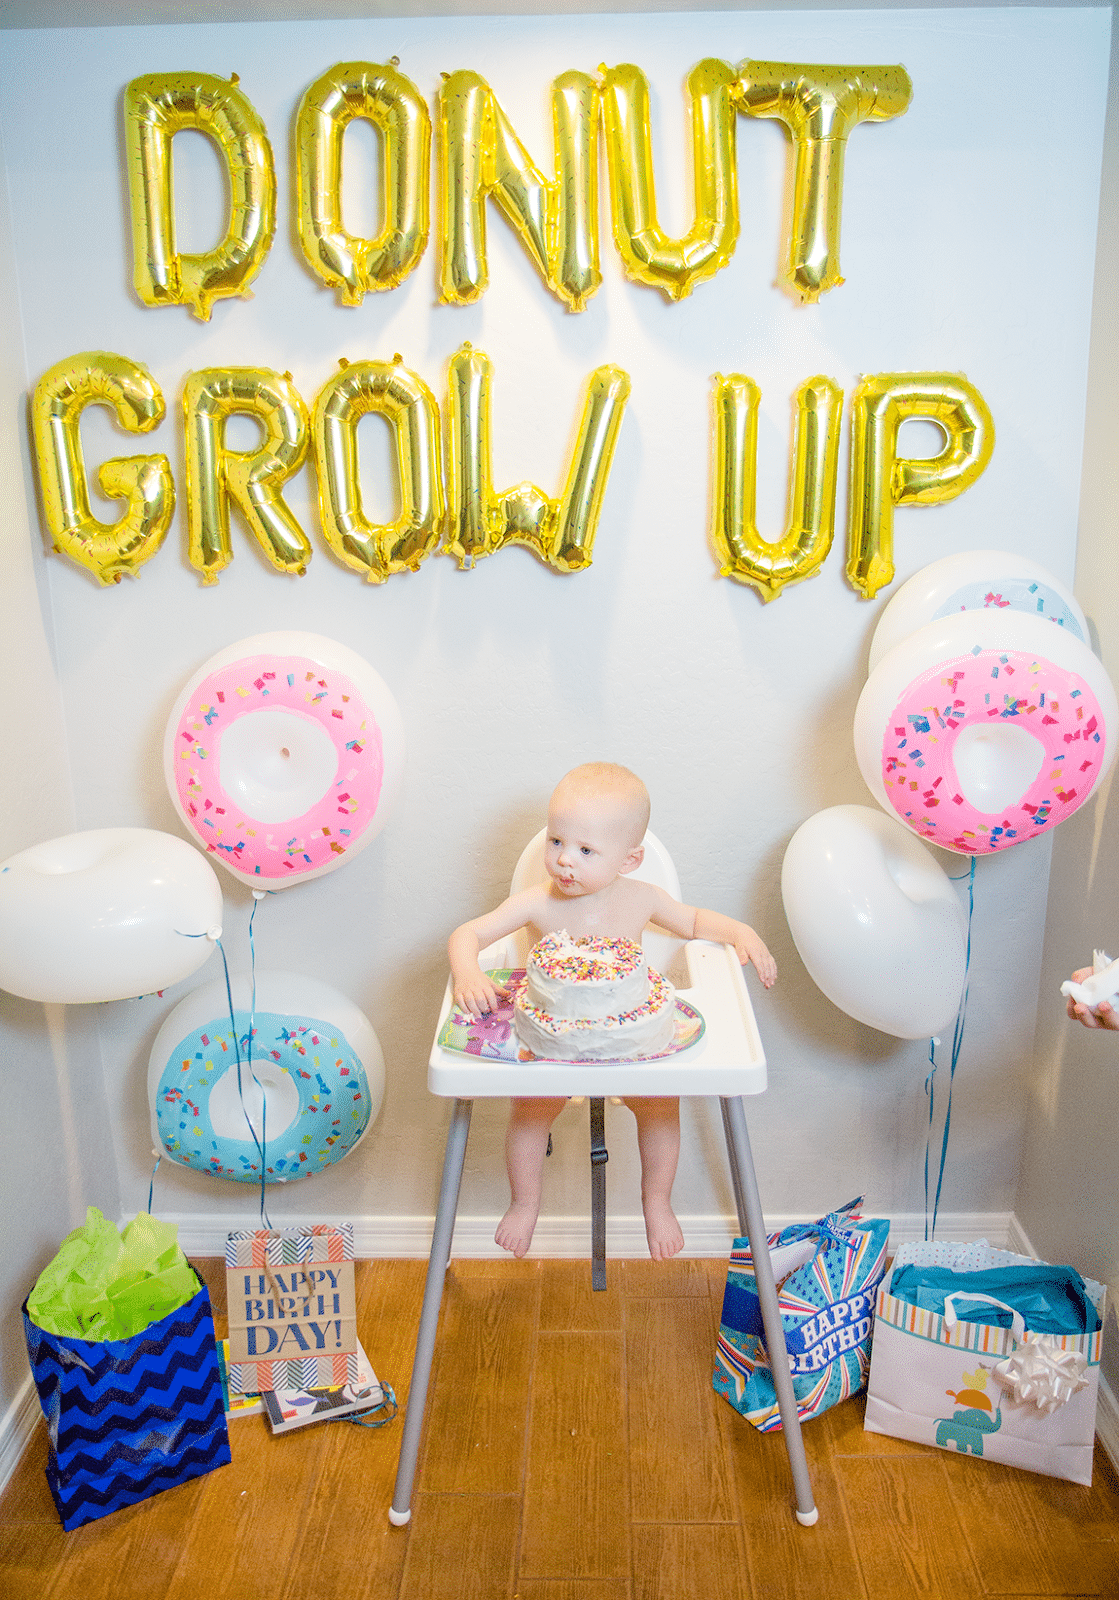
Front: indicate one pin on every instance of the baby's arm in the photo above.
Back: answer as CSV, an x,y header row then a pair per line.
x,y
690,922
747,945
473,990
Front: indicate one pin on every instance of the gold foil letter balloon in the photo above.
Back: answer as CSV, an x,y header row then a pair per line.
x,y
881,480
801,552
389,390
674,266
481,520
480,156
97,377
819,105
388,100
156,107
252,479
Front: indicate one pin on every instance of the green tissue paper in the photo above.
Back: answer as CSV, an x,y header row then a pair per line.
x,y
103,1284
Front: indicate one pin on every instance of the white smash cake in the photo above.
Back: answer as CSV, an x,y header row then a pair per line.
x,y
593,1000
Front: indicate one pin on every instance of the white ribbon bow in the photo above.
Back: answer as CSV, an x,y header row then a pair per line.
x,y
1039,1371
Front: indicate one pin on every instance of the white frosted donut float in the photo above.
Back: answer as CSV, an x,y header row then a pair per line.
x,y
105,915
284,755
310,1093
985,728
976,580
876,921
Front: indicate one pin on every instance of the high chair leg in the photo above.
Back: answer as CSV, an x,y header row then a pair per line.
x,y
746,1188
400,1511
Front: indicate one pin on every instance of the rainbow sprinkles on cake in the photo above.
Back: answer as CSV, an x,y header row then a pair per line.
x,y
593,1000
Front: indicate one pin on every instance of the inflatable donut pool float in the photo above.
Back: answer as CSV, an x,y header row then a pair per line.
x,y
105,915
876,921
985,728
317,1066
283,756
976,580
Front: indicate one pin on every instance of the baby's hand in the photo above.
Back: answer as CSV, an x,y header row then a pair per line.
x,y
748,947
477,993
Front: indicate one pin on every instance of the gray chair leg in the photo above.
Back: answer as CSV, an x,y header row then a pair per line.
x,y
400,1511
732,1158
738,1145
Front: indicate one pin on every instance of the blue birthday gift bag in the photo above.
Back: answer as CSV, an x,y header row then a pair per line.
x,y
827,1275
136,1405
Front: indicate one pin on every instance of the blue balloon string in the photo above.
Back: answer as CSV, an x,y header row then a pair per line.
x,y
930,1081
261,1143
252,1029
240,1081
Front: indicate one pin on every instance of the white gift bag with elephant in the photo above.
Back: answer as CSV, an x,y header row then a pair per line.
x,y
995,1393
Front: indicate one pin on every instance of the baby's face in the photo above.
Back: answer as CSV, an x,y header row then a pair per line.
x,y
589,843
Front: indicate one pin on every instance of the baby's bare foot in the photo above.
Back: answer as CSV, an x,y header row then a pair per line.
x,y
514,1231
662,1230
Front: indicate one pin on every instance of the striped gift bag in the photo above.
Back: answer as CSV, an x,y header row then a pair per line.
x,y
292,1308
827,1273
994,1392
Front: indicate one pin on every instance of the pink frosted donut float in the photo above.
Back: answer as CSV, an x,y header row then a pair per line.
x,y
283,756
983,729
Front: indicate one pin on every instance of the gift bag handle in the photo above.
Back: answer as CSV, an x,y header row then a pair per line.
x,y
1018,1325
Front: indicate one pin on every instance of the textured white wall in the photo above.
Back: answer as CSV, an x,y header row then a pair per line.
x,y
968,245
56,1153
1067,1195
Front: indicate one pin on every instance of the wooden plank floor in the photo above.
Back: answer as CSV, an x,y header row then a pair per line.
x,y
574,1451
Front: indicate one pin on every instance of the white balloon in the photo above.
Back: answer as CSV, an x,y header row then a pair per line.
x,y
976,580
284,756
876,921
309,1094
985,728
105,915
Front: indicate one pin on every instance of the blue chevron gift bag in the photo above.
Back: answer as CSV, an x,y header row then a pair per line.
x,y
128,1418
827,1274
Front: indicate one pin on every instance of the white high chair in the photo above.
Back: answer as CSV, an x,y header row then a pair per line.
x,y
727,1060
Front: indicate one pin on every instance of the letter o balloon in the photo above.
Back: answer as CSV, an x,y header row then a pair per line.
x,y
307,1098
105,915
985,728
876,920
284,755
976,580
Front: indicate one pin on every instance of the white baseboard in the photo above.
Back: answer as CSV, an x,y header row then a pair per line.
x,y
384,1238
17,1427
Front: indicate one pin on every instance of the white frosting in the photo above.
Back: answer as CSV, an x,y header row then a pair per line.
x,y
593,1000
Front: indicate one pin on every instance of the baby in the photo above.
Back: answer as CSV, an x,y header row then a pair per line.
x,y
597,818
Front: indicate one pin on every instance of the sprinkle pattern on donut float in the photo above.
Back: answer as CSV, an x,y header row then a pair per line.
x,y
335,1104
300,844
1053,704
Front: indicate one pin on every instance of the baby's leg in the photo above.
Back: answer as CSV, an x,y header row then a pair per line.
x,y
526,1141
658,1139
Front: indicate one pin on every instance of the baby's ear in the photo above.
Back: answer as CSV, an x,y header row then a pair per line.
x,y
633,859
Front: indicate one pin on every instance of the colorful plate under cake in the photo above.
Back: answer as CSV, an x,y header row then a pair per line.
x,y
495,1038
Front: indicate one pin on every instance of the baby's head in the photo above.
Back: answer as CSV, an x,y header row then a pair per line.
x,y
597,818
614,794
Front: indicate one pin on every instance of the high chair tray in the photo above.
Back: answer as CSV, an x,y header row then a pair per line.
x,y
494,1035
725,1056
